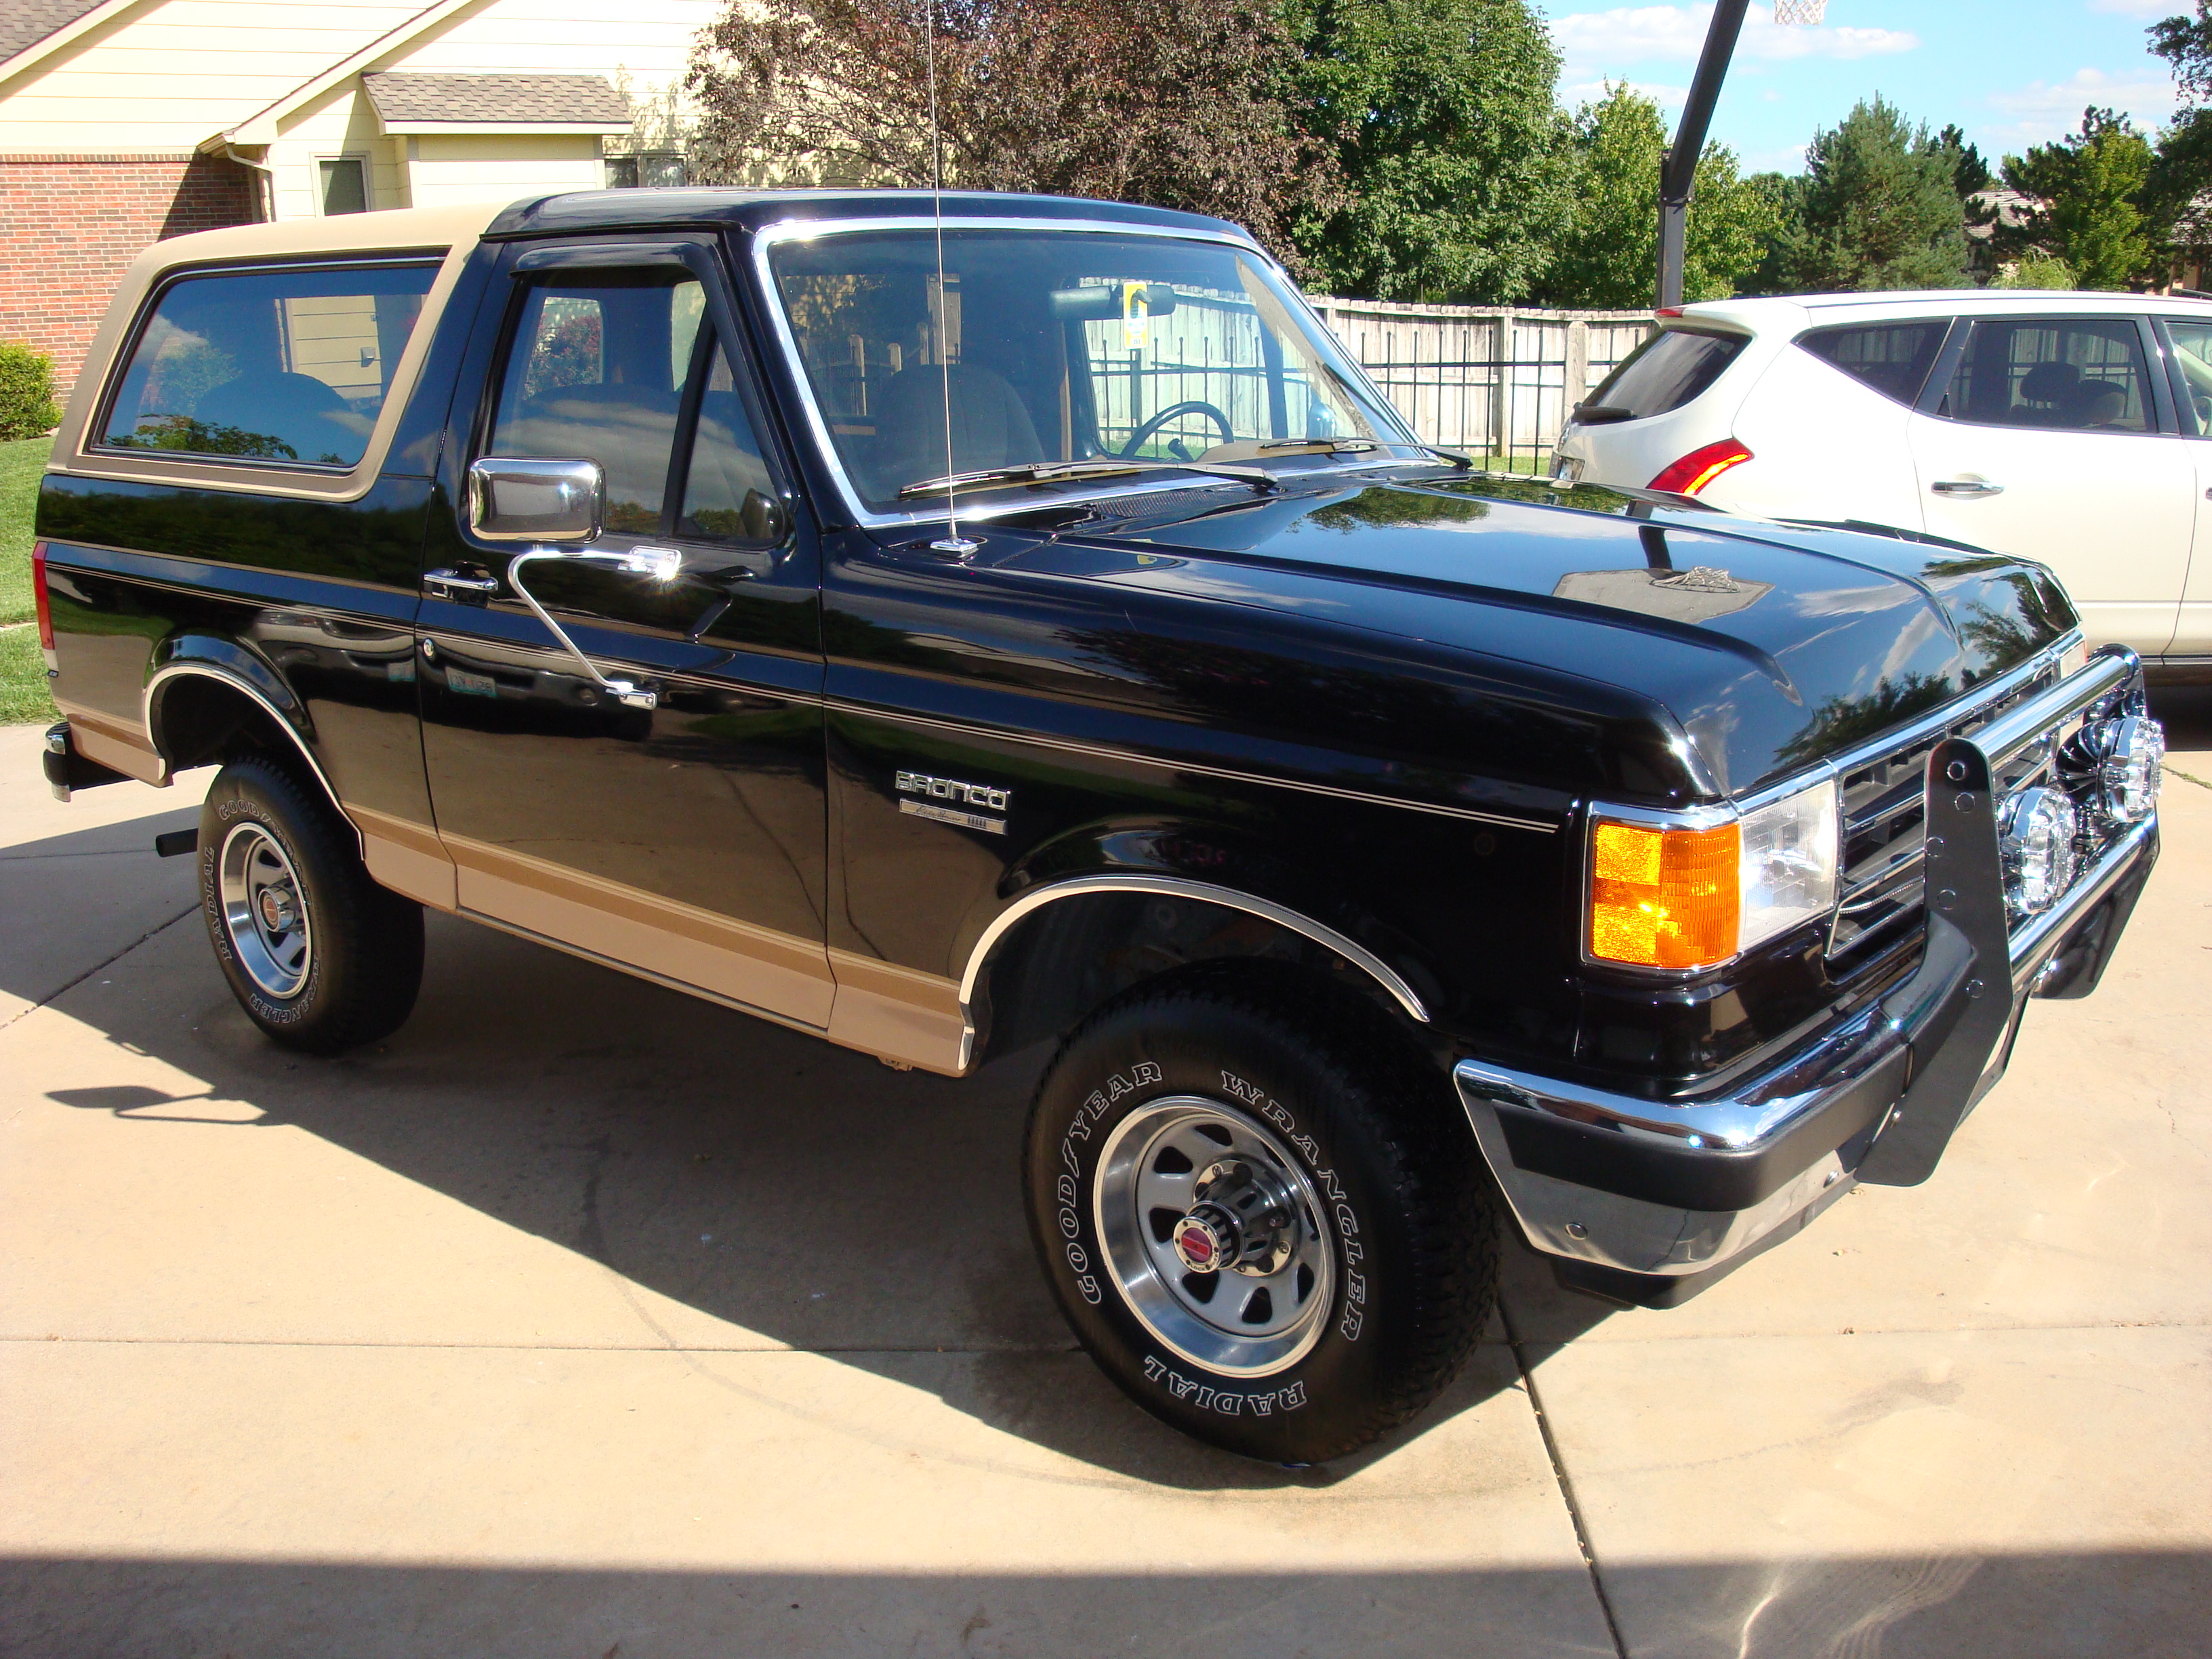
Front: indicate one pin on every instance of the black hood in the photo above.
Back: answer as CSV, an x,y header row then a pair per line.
x,y
1772,645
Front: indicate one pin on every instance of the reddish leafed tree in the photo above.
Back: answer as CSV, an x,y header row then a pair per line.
x,y
1180,105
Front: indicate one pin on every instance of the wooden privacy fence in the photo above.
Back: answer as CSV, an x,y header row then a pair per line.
x,y
1496,380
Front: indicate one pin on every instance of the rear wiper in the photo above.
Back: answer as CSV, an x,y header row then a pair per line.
x,y
1048,471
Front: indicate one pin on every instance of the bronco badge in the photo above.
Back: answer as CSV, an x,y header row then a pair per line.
x,y
950,790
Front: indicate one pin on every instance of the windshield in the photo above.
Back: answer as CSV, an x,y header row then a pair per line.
x,y
1061,346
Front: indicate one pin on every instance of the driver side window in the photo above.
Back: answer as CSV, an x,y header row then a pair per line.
x,y
608,365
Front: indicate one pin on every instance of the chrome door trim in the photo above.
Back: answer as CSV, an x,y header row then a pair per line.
x,y
208,670
1174,887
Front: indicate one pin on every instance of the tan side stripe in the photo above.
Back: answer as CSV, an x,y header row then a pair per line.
x,y
406,856
752,964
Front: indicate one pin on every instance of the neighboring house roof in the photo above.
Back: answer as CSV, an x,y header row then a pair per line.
x,y
419,103
1997,206
24,23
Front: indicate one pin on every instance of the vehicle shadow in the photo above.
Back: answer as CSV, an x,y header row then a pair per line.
x,y
804,1194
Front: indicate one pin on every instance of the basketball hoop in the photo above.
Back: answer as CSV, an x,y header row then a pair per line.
x,y
1799,12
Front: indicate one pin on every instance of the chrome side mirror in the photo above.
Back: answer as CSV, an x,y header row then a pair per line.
x,y
514,499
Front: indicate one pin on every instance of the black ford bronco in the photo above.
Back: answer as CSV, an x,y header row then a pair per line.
x,y
698,582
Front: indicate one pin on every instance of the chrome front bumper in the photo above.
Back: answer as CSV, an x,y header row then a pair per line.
x,y
1649,1200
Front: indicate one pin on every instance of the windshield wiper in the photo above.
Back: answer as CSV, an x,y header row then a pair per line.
x,y
1049,472
1317,447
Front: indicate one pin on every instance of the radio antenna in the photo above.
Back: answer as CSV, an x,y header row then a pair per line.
x,y
952,541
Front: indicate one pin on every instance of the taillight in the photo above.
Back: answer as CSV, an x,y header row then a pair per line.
x,y
39,598
1700,467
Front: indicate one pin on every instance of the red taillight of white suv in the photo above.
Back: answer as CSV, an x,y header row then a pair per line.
x,y
1700,467
44,606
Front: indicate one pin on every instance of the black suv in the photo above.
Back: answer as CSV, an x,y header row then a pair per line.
x,y
695,580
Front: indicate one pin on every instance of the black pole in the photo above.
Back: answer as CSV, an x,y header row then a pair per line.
x,y
1678,171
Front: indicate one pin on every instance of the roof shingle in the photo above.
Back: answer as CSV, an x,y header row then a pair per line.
x,y
504,100
24,23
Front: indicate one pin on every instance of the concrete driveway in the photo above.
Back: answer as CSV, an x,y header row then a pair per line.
x,y
583,1319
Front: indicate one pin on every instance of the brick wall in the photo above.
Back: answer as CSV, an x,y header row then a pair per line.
x,y
71,224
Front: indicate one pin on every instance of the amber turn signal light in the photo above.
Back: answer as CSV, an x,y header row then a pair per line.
x,y
1664,898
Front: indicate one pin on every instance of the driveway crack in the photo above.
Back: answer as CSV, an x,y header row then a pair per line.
x,y
1566,1483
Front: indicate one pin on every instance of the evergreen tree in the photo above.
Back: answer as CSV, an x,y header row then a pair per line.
x,y
1610,251
2177,196
1439,118
2091,183
1970,172
1879,208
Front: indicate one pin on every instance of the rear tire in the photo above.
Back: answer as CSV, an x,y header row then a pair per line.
x,y
319,957
1301,1144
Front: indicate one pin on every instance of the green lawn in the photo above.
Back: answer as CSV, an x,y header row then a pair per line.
x,y
23,666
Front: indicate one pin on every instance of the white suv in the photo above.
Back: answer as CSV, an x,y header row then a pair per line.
x,y
2071,429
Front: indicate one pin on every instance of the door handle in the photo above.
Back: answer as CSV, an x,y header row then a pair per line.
x,y
1968,488
451,584
662,564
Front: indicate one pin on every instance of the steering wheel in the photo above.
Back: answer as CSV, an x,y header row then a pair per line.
x,y
1193,406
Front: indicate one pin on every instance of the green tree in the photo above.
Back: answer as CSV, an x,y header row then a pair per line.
x,y
1607,256
2035,270
1189,107
2178,197
2091,183
1439,117
1970,172
1878,209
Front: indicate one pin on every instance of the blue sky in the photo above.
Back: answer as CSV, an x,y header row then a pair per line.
x,y
2011,74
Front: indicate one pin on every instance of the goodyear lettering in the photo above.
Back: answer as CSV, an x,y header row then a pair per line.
x,y
1240,1089
1065,1188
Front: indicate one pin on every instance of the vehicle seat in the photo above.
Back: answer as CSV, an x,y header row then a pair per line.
x,y
991,426
298,411
2045,390
2096,403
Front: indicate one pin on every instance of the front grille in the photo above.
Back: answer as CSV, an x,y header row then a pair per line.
x,y
1885,812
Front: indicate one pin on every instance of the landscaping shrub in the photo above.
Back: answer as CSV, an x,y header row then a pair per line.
x,y
26,392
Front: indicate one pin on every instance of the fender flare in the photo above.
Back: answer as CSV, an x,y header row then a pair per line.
x,y
206,668
1132,881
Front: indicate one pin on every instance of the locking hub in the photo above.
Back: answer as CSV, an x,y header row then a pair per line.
x,y
1241,1221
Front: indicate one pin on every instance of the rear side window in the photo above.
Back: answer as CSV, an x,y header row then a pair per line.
x,y
1665,371
289,366
1893,358
2073,373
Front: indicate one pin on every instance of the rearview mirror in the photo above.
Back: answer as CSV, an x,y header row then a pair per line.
x,y
1079,304
513,499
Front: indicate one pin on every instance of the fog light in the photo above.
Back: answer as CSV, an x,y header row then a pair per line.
x,y
2038,826
2130,756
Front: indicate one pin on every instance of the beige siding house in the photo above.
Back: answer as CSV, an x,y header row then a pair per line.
x,y
123,122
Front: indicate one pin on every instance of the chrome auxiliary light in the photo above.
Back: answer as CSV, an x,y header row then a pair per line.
x,y
2038,826
2129,751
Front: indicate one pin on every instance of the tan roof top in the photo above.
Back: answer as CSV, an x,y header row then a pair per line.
x,y
488,100
24,23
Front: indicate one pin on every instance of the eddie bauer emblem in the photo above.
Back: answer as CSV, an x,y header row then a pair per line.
x,y
952,790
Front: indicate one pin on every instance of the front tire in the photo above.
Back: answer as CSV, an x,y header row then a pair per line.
x,y
320,957
1312,1159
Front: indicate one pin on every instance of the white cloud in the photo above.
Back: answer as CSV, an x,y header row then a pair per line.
x,y
2143,9
2044,110
1594,92
1592,41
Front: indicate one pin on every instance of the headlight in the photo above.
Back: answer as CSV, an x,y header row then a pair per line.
x,y
1693,897
2037,828
2131,752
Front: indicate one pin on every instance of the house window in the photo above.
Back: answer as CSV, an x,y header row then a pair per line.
x,y
655,169
344,184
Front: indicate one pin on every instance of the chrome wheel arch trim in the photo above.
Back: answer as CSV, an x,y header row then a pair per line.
x,y
1174,887
212,671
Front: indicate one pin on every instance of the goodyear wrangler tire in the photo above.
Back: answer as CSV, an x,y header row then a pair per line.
x,y
1259,1213
320,957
